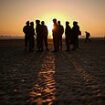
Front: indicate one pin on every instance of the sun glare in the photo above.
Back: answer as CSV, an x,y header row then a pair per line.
x,y
50,16
50,27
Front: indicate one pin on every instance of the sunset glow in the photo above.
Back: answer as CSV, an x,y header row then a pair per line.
x,y
50,27
50,16
89,14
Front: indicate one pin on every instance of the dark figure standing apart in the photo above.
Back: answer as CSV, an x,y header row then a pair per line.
x,y
61,31
55,35
26,30
45,35
39,36
75,35
31,37
87,39
67,36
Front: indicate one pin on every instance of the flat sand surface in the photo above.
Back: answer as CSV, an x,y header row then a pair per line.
x,y
62,78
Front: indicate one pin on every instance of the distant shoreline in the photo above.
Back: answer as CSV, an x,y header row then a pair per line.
x,y
7,37
50,39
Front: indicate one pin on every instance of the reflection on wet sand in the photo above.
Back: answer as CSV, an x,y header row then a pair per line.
x,y
43,90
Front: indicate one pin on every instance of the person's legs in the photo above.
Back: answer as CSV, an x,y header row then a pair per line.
x,y
60,42
46,42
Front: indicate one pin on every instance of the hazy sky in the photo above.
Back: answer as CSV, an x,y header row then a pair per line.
x,y
89,13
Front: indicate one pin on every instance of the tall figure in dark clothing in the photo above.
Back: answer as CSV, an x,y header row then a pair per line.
x,y
31,37
39,36
67,36
26,30
61,31
55,35
75,35
45,34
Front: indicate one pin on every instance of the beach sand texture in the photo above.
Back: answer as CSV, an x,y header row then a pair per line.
x,y
75,78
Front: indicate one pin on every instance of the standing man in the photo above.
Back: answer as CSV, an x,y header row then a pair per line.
x,y
31,37
67,36
26,30
61,31
39,36
75,35
55,33
45,34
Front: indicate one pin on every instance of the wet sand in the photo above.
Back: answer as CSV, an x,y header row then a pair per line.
x,y
74,78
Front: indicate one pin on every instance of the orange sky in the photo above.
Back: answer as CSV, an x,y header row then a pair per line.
x,y
89,13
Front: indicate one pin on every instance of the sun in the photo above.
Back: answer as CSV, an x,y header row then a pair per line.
x,y
50,16
50,27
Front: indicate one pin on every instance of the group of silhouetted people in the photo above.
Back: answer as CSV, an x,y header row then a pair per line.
x,y
72,36
41,34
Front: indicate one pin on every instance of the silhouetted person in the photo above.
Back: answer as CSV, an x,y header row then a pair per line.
x,y
67,36
26,30
61,31
39,36
55,35
45,35
31,37
87,39
75,35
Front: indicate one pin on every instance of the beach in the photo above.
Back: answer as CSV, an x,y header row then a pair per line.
x,y
62,78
